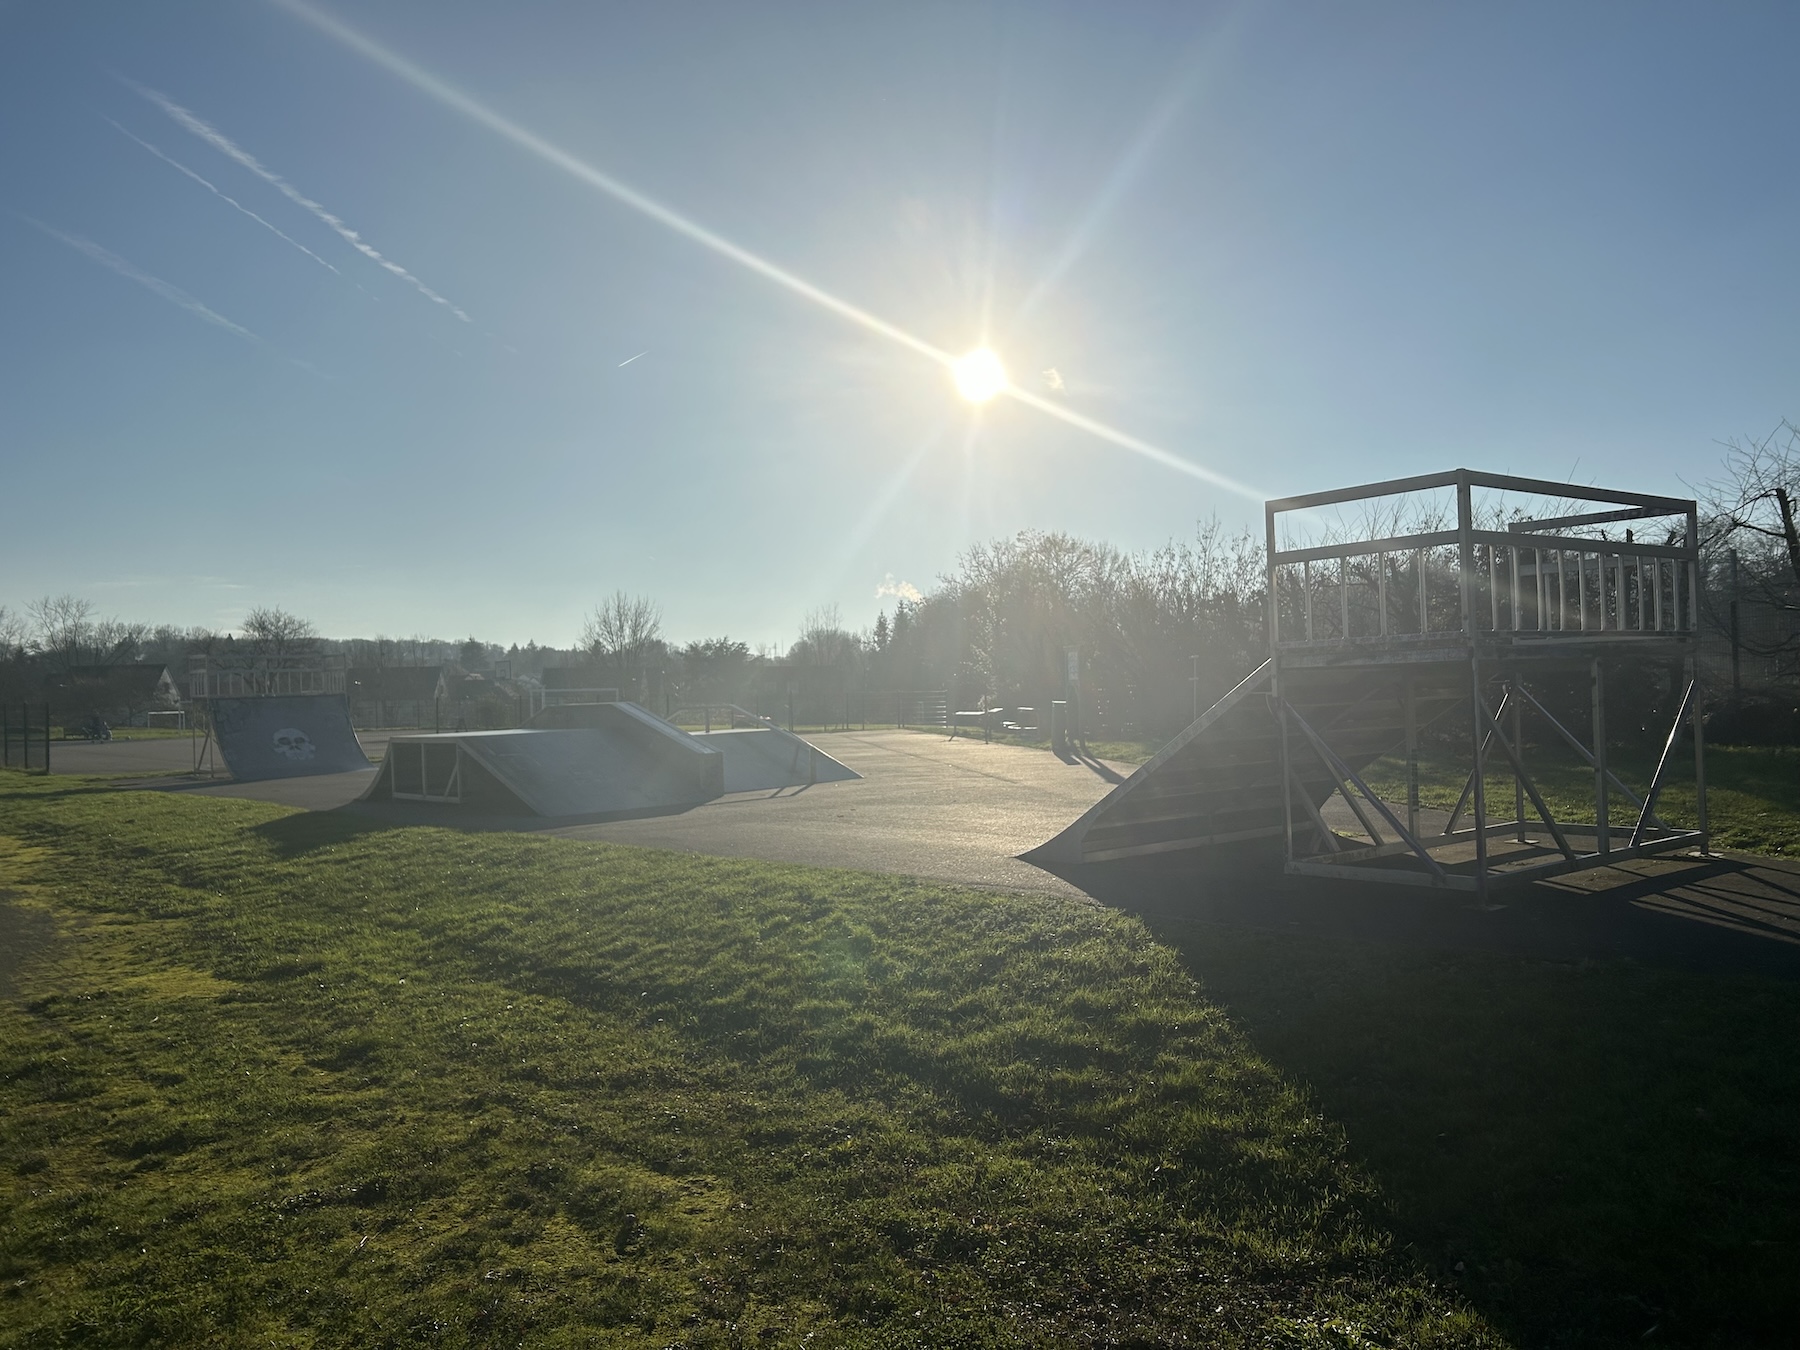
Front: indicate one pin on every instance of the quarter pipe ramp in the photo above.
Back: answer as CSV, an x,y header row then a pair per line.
x,y
285,736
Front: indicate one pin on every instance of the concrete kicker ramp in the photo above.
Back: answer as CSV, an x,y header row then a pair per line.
x,y
761,758
625,761
285,736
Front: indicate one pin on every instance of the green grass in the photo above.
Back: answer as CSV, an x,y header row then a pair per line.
x,y
1752,791
284,1078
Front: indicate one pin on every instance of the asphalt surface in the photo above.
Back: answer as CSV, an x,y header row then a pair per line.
x,y
961,811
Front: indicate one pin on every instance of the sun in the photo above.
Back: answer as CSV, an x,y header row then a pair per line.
x,y
979,375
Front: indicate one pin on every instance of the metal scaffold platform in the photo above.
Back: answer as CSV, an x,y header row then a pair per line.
x,y
1440,618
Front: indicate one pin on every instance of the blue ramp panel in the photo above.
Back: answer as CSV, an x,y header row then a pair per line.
x,y
286,736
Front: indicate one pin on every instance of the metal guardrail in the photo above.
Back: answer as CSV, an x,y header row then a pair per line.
x,y
1543,577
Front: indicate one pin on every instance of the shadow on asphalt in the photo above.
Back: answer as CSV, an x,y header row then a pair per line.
x,y
1576,1109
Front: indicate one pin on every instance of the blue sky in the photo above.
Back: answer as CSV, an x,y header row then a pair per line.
x,y
1292,246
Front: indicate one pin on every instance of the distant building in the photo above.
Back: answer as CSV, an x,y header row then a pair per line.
x,y
399,696
121,694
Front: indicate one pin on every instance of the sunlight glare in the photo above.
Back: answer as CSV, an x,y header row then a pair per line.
x,y
979,375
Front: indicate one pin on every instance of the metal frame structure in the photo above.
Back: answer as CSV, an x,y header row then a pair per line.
x,y
1493,604
250,675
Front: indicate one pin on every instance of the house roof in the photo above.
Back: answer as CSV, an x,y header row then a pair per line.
x,y
140,678
396,684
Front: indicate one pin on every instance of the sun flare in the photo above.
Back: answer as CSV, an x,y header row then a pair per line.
x,y
979,375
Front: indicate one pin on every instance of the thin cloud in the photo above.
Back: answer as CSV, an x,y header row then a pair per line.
x,y
173,294
1053,380
228,200
219,141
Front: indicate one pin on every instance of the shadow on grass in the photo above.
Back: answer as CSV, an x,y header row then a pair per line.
x,y
1581,1109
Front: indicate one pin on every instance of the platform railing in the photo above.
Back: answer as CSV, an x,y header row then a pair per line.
x,y
1536,578
254,676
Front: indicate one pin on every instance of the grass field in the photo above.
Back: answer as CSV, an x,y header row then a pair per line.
x,y
281,1078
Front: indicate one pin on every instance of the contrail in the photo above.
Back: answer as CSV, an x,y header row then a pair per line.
x,y
628,360
173,294
229,148
228,200
476,111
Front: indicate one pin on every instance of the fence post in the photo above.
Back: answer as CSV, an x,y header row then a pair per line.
x,y
5,738
46,738
25,735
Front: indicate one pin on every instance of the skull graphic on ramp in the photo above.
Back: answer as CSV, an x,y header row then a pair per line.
x,y
293,744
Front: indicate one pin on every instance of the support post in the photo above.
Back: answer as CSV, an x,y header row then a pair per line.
x,y
1479,780
1468,787
46,738
1518,745
1699,715
1412,755
1602,841
1537,801
25,734
1662,765
5,738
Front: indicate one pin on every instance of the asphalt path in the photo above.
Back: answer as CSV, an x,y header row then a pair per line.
x,y
926,806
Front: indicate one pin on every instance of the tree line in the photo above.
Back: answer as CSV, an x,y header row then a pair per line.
x,y
1143,639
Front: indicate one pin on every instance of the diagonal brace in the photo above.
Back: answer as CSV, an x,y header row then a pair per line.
x,y
1342,772
1326,835
1570,739
1462,799
1362,816
1495,738
1662,767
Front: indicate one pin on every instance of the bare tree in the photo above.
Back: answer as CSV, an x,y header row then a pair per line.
x,y
62,629
824,641
622,631
13,633
622,627
1750,511
274,632
1756,495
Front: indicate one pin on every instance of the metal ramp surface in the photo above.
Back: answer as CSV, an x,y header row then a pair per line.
x,y
759,758
285,736
1218,785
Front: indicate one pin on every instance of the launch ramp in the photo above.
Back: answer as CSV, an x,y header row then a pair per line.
x,y
1218,785
579,771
